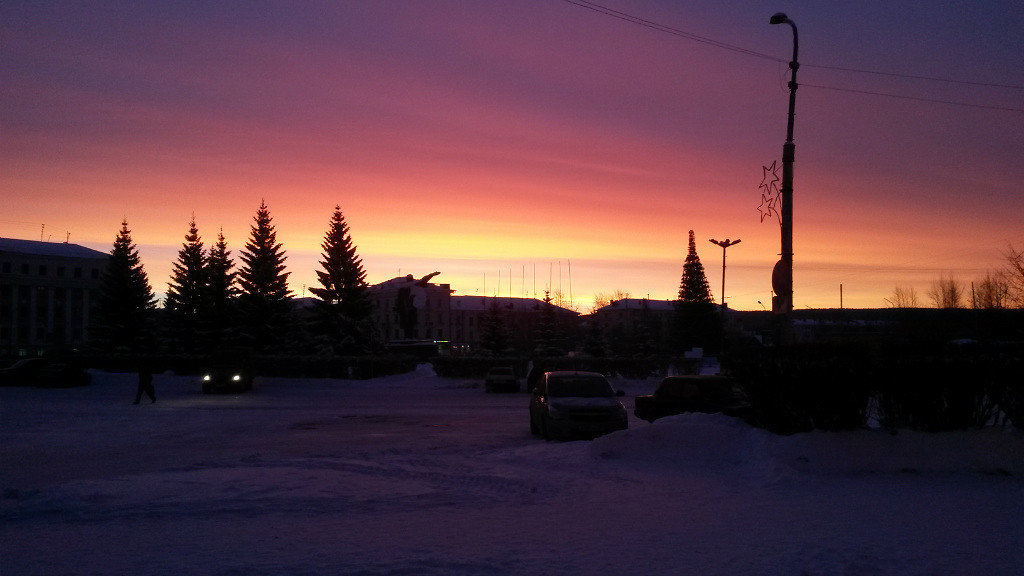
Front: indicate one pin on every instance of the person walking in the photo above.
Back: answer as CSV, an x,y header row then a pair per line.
x,y
145,383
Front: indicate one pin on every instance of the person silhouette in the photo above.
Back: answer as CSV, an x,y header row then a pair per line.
x,y
145,383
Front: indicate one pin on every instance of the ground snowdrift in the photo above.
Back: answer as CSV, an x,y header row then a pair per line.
x,y
418,474
713,443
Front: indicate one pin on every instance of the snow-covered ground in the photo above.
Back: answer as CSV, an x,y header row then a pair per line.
x,y
416,474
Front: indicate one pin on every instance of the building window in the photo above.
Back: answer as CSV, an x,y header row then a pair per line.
x,y
95,273
42,269
60,271
7,268
24,268
78,271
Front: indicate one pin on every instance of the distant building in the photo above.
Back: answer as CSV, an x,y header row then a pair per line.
x,y
629,316
47,292
407,309
521,317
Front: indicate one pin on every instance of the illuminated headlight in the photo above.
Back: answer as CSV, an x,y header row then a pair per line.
x,y
206,378
236,377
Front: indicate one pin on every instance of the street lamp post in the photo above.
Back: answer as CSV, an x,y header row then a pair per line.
x,y
782,275
724,244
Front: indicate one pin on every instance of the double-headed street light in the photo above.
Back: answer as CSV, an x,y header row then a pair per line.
x,y
724,244
782,275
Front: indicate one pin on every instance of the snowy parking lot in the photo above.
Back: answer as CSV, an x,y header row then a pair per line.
x,y
416,474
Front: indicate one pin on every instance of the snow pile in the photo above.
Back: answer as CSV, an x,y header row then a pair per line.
x,y
690,444
713,443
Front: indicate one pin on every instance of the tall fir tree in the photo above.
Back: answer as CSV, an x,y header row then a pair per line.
x,y
344,299
696,322
125,307
493,333
222,292
187,303
546,334
693,288
265,300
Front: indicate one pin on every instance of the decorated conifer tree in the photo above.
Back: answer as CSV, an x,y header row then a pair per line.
x,y
696,321
187,302
221,291
693,288
343,309
265,300
125,306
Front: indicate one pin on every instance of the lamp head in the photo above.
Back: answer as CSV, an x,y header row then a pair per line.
x,y
778,18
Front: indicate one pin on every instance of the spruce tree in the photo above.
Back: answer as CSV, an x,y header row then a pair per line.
x,y
125,306
221,291
344,299
187,302
265,300
696,322
493,336
693,288
546,336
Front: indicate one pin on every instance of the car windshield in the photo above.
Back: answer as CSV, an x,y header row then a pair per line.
x,y
579,387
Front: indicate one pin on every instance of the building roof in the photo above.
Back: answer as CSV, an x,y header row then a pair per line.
x,y
409,281
60,249
482,303
639,304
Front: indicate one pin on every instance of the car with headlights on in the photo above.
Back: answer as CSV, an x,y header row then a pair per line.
x,y
229,370
567,404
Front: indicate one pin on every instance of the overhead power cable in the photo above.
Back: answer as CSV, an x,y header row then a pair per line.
x,y
919,99
670,30
732,47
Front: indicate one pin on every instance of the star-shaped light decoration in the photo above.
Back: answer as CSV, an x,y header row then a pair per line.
x,y
770,201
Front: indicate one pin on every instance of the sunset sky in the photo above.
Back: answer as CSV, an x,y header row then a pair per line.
x,y
472,137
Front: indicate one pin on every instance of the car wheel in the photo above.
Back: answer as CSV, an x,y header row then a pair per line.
x,y
544,432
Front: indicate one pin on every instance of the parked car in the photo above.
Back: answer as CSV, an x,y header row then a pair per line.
x,y
229,370
24,372
679,394
575,405
501,379
45,372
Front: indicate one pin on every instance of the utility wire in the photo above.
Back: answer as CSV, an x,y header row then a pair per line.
x,y
718,44
670,30
917,98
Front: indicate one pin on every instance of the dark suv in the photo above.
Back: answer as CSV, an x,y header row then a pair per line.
x,y
575,405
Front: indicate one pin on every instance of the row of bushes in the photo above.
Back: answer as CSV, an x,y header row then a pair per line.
x,y
477,366
359,367
838,387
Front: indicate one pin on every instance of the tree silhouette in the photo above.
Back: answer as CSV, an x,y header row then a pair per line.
x,y
947,292
696,322
221,290
344,299
494,335
902,297
1013,275
187,302
693,288
126,304
546,334
265,301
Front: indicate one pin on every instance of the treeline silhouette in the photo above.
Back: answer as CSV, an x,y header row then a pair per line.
x,y
211,304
